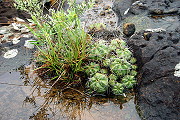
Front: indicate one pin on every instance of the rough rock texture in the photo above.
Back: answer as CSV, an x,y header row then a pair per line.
x,y
13,39
129,29
8,12
150,7
158,89
120,6
146,14
156,7
156,46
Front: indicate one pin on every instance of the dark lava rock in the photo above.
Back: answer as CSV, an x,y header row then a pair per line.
x,y
8,12
4,20
23,57
157,54
157,7
129,29
158,89
125,8
120,6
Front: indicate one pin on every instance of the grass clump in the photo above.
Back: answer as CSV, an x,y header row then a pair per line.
x,y
62,43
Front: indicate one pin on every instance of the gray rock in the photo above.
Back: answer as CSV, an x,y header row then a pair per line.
x,y
4,30
148,13
120,6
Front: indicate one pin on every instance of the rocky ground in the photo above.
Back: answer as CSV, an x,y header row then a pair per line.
x,y
14,37
156,45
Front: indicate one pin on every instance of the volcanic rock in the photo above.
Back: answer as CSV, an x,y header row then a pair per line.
x,y
158,87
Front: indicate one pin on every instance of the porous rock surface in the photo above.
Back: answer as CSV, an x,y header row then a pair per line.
x,y
125,8
8,12
156,45
146,14
158,88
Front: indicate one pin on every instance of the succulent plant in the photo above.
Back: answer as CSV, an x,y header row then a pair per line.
x,y
117,43
125,53
104,71
120,69
128,81
132,60
112,79
92,69
99,50
133,73
117,63
97,27
98,83
118,89
106,62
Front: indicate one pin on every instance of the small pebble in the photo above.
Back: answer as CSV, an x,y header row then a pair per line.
x,y
15,40
11,53
29,44
128,29
24,30
102,13
107,7
3,31
177,70
16,26
26,35
147,35
19,20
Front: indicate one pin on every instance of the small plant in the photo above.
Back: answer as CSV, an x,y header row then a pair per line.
x,y
98,83
116,59
62,43
31,6
97,27
35,7
80,8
